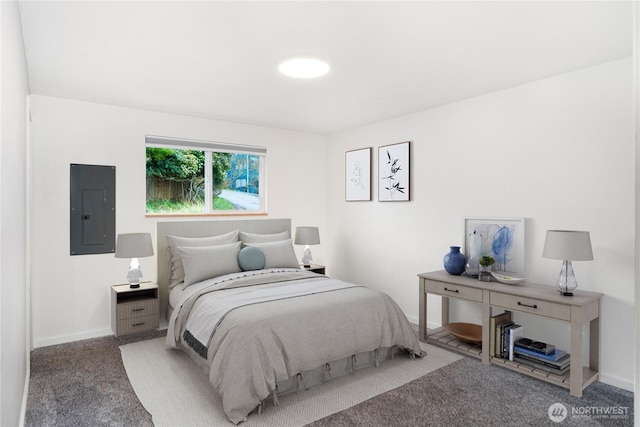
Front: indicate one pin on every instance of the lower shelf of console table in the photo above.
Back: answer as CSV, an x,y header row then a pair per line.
x,y
578,310
444,339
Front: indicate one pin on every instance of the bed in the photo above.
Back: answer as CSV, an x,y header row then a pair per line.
x,y
260,327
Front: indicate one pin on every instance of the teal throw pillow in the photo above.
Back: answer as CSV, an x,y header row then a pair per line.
x,y
251,258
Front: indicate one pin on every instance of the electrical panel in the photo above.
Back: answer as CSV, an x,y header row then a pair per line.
x,y
93,209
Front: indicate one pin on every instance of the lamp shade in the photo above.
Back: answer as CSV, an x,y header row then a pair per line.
x,y
307,236
134,245
568,245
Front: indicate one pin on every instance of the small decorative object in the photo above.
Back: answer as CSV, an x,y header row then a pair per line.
x,y
358,175
134,246
567,245
507,280
484,269
307,236
466,332
393,171
454,261
473,250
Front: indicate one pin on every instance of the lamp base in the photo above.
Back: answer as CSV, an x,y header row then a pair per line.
x,y
566,283
135,274
306,257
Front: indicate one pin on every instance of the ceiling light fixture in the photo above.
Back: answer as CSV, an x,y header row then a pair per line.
x,y
304,68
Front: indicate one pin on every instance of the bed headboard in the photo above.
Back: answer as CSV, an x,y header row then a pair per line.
x,y
204,229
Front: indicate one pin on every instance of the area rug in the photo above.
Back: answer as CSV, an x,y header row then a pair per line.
x,y
176,392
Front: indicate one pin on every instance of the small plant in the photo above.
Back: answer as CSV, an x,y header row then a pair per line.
x,y
486,261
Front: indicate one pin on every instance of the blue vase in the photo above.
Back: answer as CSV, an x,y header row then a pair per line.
x,y
454,261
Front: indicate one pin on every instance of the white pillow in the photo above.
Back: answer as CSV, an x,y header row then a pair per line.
x,y
201,263
278,254
177,270
263,238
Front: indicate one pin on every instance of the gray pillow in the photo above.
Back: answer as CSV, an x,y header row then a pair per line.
x,y
278,254
263,238
201,263
177,270
251,258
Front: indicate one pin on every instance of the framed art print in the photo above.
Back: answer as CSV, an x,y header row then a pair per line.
x,y
501,238
358,175
393,172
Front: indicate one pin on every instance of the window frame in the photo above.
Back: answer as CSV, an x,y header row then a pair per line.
x,y
209,147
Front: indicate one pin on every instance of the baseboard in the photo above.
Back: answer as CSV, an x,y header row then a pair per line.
x,y
616,382
413,320
25,396
63,339
433,325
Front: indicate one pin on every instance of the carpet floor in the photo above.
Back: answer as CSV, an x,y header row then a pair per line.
x,y
468,393
85,384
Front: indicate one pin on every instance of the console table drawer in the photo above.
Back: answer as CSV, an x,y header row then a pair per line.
x,y
528,305
454,291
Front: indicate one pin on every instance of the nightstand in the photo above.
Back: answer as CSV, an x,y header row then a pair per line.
x,y
134,310
316,268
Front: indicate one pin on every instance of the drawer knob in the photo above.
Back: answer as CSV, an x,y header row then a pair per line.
x,y
138,309
527,305
138,324
451,290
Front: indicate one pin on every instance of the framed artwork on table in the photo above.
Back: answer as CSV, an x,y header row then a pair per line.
x,y
501,238
358,175
394,172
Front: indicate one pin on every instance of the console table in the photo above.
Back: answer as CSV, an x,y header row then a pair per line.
x,y
532,298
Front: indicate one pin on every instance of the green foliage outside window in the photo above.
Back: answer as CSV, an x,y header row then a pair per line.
x,y
174,165
175,180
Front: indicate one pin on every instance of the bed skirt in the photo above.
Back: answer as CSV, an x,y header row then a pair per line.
x,y
329,371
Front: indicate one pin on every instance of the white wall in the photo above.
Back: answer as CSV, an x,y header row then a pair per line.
x,y
14,88
636,94
71,294
557,151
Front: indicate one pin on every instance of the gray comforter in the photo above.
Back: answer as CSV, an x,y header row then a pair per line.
x,y
255,346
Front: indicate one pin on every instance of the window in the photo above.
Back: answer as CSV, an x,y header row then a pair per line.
x,y
197,177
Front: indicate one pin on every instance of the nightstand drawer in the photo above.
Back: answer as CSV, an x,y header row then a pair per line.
x,y
137,324
528,305
137,309
454,291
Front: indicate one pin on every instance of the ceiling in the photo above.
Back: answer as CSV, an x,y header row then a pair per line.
x,y
219,59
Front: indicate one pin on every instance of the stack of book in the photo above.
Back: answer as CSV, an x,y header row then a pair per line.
x,y
541,356
503,335
507,341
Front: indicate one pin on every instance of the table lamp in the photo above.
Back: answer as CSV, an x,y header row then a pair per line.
x,y
134,246
307,236
567,245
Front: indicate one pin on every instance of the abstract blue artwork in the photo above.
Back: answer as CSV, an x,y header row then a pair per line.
x,y
503,239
